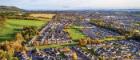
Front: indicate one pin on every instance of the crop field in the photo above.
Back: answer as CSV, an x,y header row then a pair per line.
x,y
15,25
49,16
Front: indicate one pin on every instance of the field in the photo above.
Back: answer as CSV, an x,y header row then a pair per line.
x,y
49,16
75,34
15,25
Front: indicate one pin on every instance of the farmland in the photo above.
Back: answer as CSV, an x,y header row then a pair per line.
x,y
49,16
15,25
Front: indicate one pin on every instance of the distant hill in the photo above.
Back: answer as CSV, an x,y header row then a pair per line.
x,y
10,9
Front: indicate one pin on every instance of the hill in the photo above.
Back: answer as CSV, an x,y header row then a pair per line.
x,y
10,9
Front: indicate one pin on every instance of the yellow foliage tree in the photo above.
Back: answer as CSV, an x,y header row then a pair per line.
x,y
19,37
74,56
82,42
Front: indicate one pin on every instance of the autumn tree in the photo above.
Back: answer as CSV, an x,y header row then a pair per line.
x,y
19,37
5,46
74,56
89,41
82,42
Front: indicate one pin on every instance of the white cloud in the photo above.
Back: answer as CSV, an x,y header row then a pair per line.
x,y
72,4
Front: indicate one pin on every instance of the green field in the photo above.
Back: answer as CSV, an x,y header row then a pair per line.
x,y
75,34
13,26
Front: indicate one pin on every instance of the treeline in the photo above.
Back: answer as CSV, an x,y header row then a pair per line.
x,y
29,32
2,20
18,15
136,37
121,31
9,49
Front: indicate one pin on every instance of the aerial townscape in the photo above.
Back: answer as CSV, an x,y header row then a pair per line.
x,y
88,34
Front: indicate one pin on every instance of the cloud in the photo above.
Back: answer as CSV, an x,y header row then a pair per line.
x,y
72,4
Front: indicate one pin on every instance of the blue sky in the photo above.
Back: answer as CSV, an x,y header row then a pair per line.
x,y
73,4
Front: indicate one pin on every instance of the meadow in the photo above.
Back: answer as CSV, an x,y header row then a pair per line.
x,y
12,26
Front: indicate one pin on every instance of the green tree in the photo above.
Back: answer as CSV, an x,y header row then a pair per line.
x,y
29,32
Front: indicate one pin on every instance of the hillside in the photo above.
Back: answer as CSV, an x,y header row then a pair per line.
x,y
10,9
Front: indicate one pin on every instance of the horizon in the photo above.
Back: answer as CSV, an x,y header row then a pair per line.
x,y
72,4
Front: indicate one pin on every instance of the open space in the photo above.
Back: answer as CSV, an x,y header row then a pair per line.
x,y
75,34
13,26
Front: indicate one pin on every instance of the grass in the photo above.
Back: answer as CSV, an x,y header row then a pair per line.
x,y
75,34
13,26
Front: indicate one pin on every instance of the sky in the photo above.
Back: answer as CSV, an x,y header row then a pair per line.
x,y
72,4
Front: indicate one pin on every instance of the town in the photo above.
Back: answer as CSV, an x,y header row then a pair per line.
x,y
99,41
69,34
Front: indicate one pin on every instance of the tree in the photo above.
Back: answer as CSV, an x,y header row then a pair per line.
x,y
19,37
5,46
89,41
82,42
74,56
14,58
136,36
26,15
2,20
29,32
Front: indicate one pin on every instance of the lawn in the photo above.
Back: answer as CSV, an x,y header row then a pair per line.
x,y
15,25
75,34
